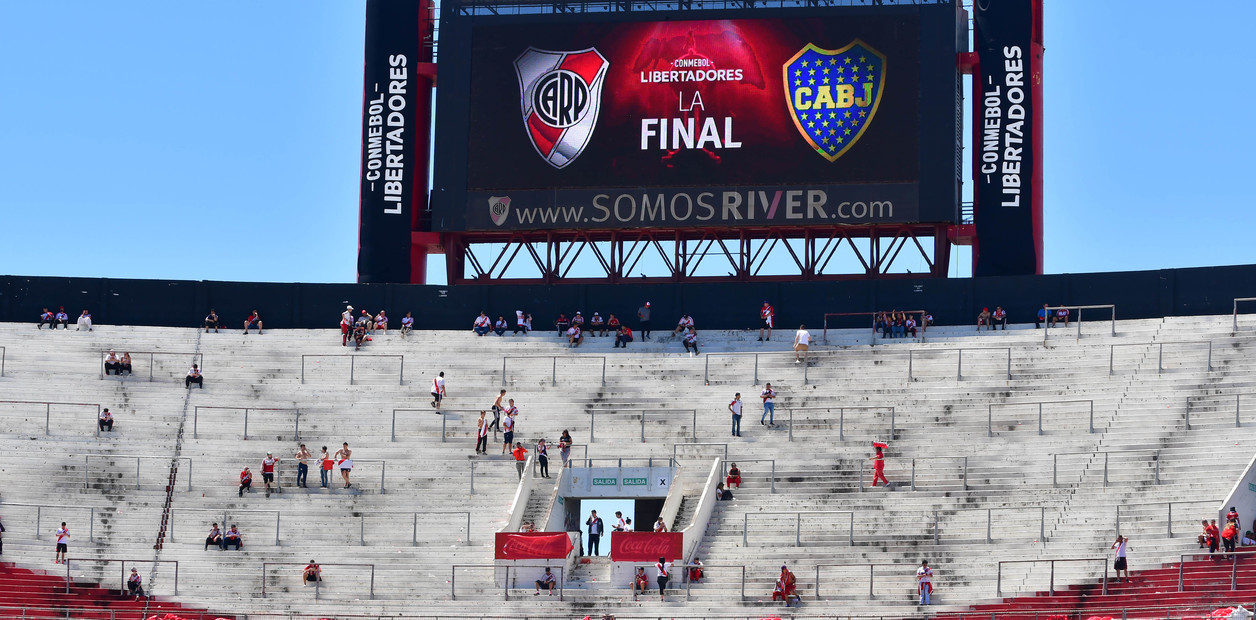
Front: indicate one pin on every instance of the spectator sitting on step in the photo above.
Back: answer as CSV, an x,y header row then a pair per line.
x,y
367,321
112,363
214,537
1042,316
612,323
734,476
623,336
211,320
124,364
546,581
1061,314
722,494
84,322
926,321
691,341
999,318
134,584
910,326
984,319
786,587
562,324
520,323
407,324
381,322
45,318
194,376
359,335
899,321
61,318
246,482
482,324
575,336
685,323
695,570
527,526
640,582
578,321
105,423
312,573
597,324
253,319
500,327
233,537
1248,538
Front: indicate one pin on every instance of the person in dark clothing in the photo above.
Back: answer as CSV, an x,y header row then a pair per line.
x,y
595,531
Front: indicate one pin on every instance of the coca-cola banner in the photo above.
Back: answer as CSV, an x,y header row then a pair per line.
x,y
646,546
532,545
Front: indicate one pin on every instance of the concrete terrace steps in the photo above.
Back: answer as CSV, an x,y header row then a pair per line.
x,y
936,415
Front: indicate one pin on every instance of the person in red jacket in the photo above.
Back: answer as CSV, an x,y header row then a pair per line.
x,y
878,466
1214,536
1230,536
246,481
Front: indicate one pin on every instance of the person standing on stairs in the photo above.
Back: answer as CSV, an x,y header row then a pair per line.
x,y
438,389
1214,536
63,543
303,466
878,465
1120,564
735,408
345,456
766,315
324,470
663,567
643,315
498,407
1,538
924,581
595,531
564,447
521,458
508,427
768,395
481,434
542,457
268,471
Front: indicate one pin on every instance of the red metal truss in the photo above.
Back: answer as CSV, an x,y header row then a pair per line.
x,y
698,255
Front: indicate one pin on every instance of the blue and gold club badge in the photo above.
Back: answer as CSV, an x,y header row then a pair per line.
x,y
833,94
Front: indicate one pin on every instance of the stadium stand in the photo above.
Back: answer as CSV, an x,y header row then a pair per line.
x,y
1002,447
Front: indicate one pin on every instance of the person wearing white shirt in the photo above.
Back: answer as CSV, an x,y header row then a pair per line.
x,y
735,407
407,324
381,322
769,407
802,341
482,325
924,579
438,389
500,326
84,322
691,342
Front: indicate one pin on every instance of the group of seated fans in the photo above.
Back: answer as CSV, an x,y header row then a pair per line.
x,y
60,319
365,325
897,324
1227,538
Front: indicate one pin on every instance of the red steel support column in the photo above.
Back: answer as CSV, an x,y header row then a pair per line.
x,y
424,80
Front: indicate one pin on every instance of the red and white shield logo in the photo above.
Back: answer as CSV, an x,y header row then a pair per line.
x,y
498,208
561,93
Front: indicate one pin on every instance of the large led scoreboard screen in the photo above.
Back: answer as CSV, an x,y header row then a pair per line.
x,y
845,118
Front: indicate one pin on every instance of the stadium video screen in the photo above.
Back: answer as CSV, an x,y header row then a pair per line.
x,y
734,122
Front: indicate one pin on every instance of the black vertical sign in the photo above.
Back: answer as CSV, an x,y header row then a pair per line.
x,y
388,136
1006,150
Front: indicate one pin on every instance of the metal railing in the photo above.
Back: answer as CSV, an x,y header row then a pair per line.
x,y
872,316
561,580
39,513
1232,556
494,463
745,524
642,414
197,358
492,569
771,471
706,365
1047,328
401,364
959,359
696,444
1168,511
3,352
1159,353
990,412
872,577
998,584
1236,317
684,575
1055,463
963,478
1238,403
553,365
841,418
443,413
196,411
989,537
414,516
161,477
122,562
48,411
370,591
224,513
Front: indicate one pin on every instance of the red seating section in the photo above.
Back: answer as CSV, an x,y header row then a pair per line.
x,y
1206,586
44,595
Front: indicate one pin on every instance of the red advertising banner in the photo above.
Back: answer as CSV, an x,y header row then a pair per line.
x,y
646,546
532,545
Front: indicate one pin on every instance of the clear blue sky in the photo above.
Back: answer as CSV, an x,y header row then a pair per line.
x,y
220,140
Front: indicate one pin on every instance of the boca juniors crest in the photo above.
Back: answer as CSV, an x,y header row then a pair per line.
x,y
560,93
833,94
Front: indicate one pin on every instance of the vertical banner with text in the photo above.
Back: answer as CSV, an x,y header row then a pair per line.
x,y
389,132
1007,130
